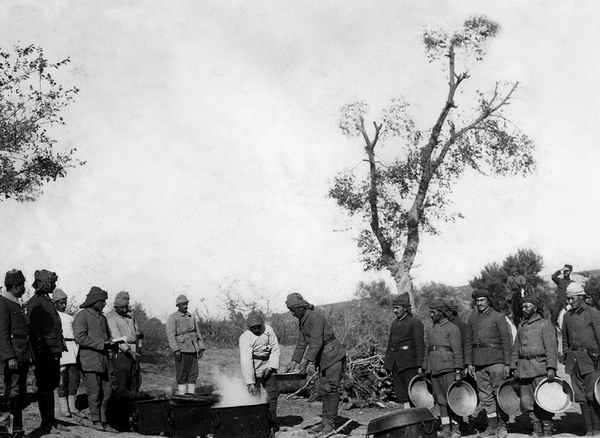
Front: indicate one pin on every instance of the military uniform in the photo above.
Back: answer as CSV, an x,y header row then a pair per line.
x,y
561,293
186,342
535,351
581,343
444,359
317,344
14,344
488,349
47,343
405,353
90,330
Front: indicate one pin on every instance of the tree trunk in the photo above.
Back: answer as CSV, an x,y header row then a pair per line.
x,y
401,275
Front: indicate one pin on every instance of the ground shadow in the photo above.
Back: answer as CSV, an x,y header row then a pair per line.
x,y
339,422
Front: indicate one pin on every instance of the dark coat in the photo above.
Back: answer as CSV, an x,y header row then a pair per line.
x,y
450,356
487,339
536,336
406,344
14,332
561,293
581,337
45,328
90,330
318,341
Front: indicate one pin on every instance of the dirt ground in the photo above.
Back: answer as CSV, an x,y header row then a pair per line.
x,y
295,415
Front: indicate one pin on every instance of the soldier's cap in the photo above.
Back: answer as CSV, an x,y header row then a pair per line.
x,y
122,299
94,295
481,293
296,300
255,318
401,300
574,289
569,267
58,295
181,299
437,305
14,277
44,279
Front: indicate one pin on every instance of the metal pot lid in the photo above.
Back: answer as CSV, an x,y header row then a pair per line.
x,y
554,396
462,398
399,418
508,398
420,393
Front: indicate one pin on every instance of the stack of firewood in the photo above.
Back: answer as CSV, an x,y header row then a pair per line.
x,y
366,383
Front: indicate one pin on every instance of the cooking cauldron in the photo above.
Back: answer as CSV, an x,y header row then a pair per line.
x,y
248,421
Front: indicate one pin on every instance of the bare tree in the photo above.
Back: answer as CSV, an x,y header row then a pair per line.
x,y
406,196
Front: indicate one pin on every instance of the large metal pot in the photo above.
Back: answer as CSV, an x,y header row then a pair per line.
x,y
554,396
404,423
248,421
420,392
462,398
508,399
288,383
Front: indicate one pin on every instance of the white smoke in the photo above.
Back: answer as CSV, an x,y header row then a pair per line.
x,y
234,392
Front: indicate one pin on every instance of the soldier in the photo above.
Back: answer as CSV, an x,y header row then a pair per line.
x,y
318,348
259,358
48,345
405,350
487,355
15,352
90,330
444,361
123,326
562,278
534,357
187,345
69,370
581,342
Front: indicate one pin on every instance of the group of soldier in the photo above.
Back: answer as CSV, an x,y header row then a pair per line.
x,y
487,350
101,349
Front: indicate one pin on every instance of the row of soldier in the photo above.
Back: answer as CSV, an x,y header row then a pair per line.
x,y
103,349
485,349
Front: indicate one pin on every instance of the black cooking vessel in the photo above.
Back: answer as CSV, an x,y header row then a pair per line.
x,y
248,421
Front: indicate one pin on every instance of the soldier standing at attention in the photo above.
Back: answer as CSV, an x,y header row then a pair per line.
x,y
318,348
444,362
69,370
534,357
406,348
15,352
187,345
581,343
48,345
488,352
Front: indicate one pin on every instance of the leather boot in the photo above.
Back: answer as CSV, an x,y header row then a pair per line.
x,y
537,428
330,408
501,431
586,411
72,408
547,428
595,417
490,430
16,409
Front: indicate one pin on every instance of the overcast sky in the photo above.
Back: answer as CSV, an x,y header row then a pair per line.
x,y
210,134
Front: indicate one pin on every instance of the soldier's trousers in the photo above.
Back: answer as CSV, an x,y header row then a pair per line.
x,y
125,370
400,381
440,384
47,376
186,368
528,405
272,390
70,377
15,388
583,385
98,389
330,380
488,380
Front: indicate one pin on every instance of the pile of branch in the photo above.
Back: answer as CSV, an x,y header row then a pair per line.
x,y
366,383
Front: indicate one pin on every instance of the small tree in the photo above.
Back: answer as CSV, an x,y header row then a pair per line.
x,y
406,196
31,103
377,291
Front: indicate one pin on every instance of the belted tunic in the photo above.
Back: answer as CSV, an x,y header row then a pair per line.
x,y
406,344
535,349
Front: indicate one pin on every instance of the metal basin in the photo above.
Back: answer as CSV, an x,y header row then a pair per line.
x,y
508,399
420,392
554,396
462,398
